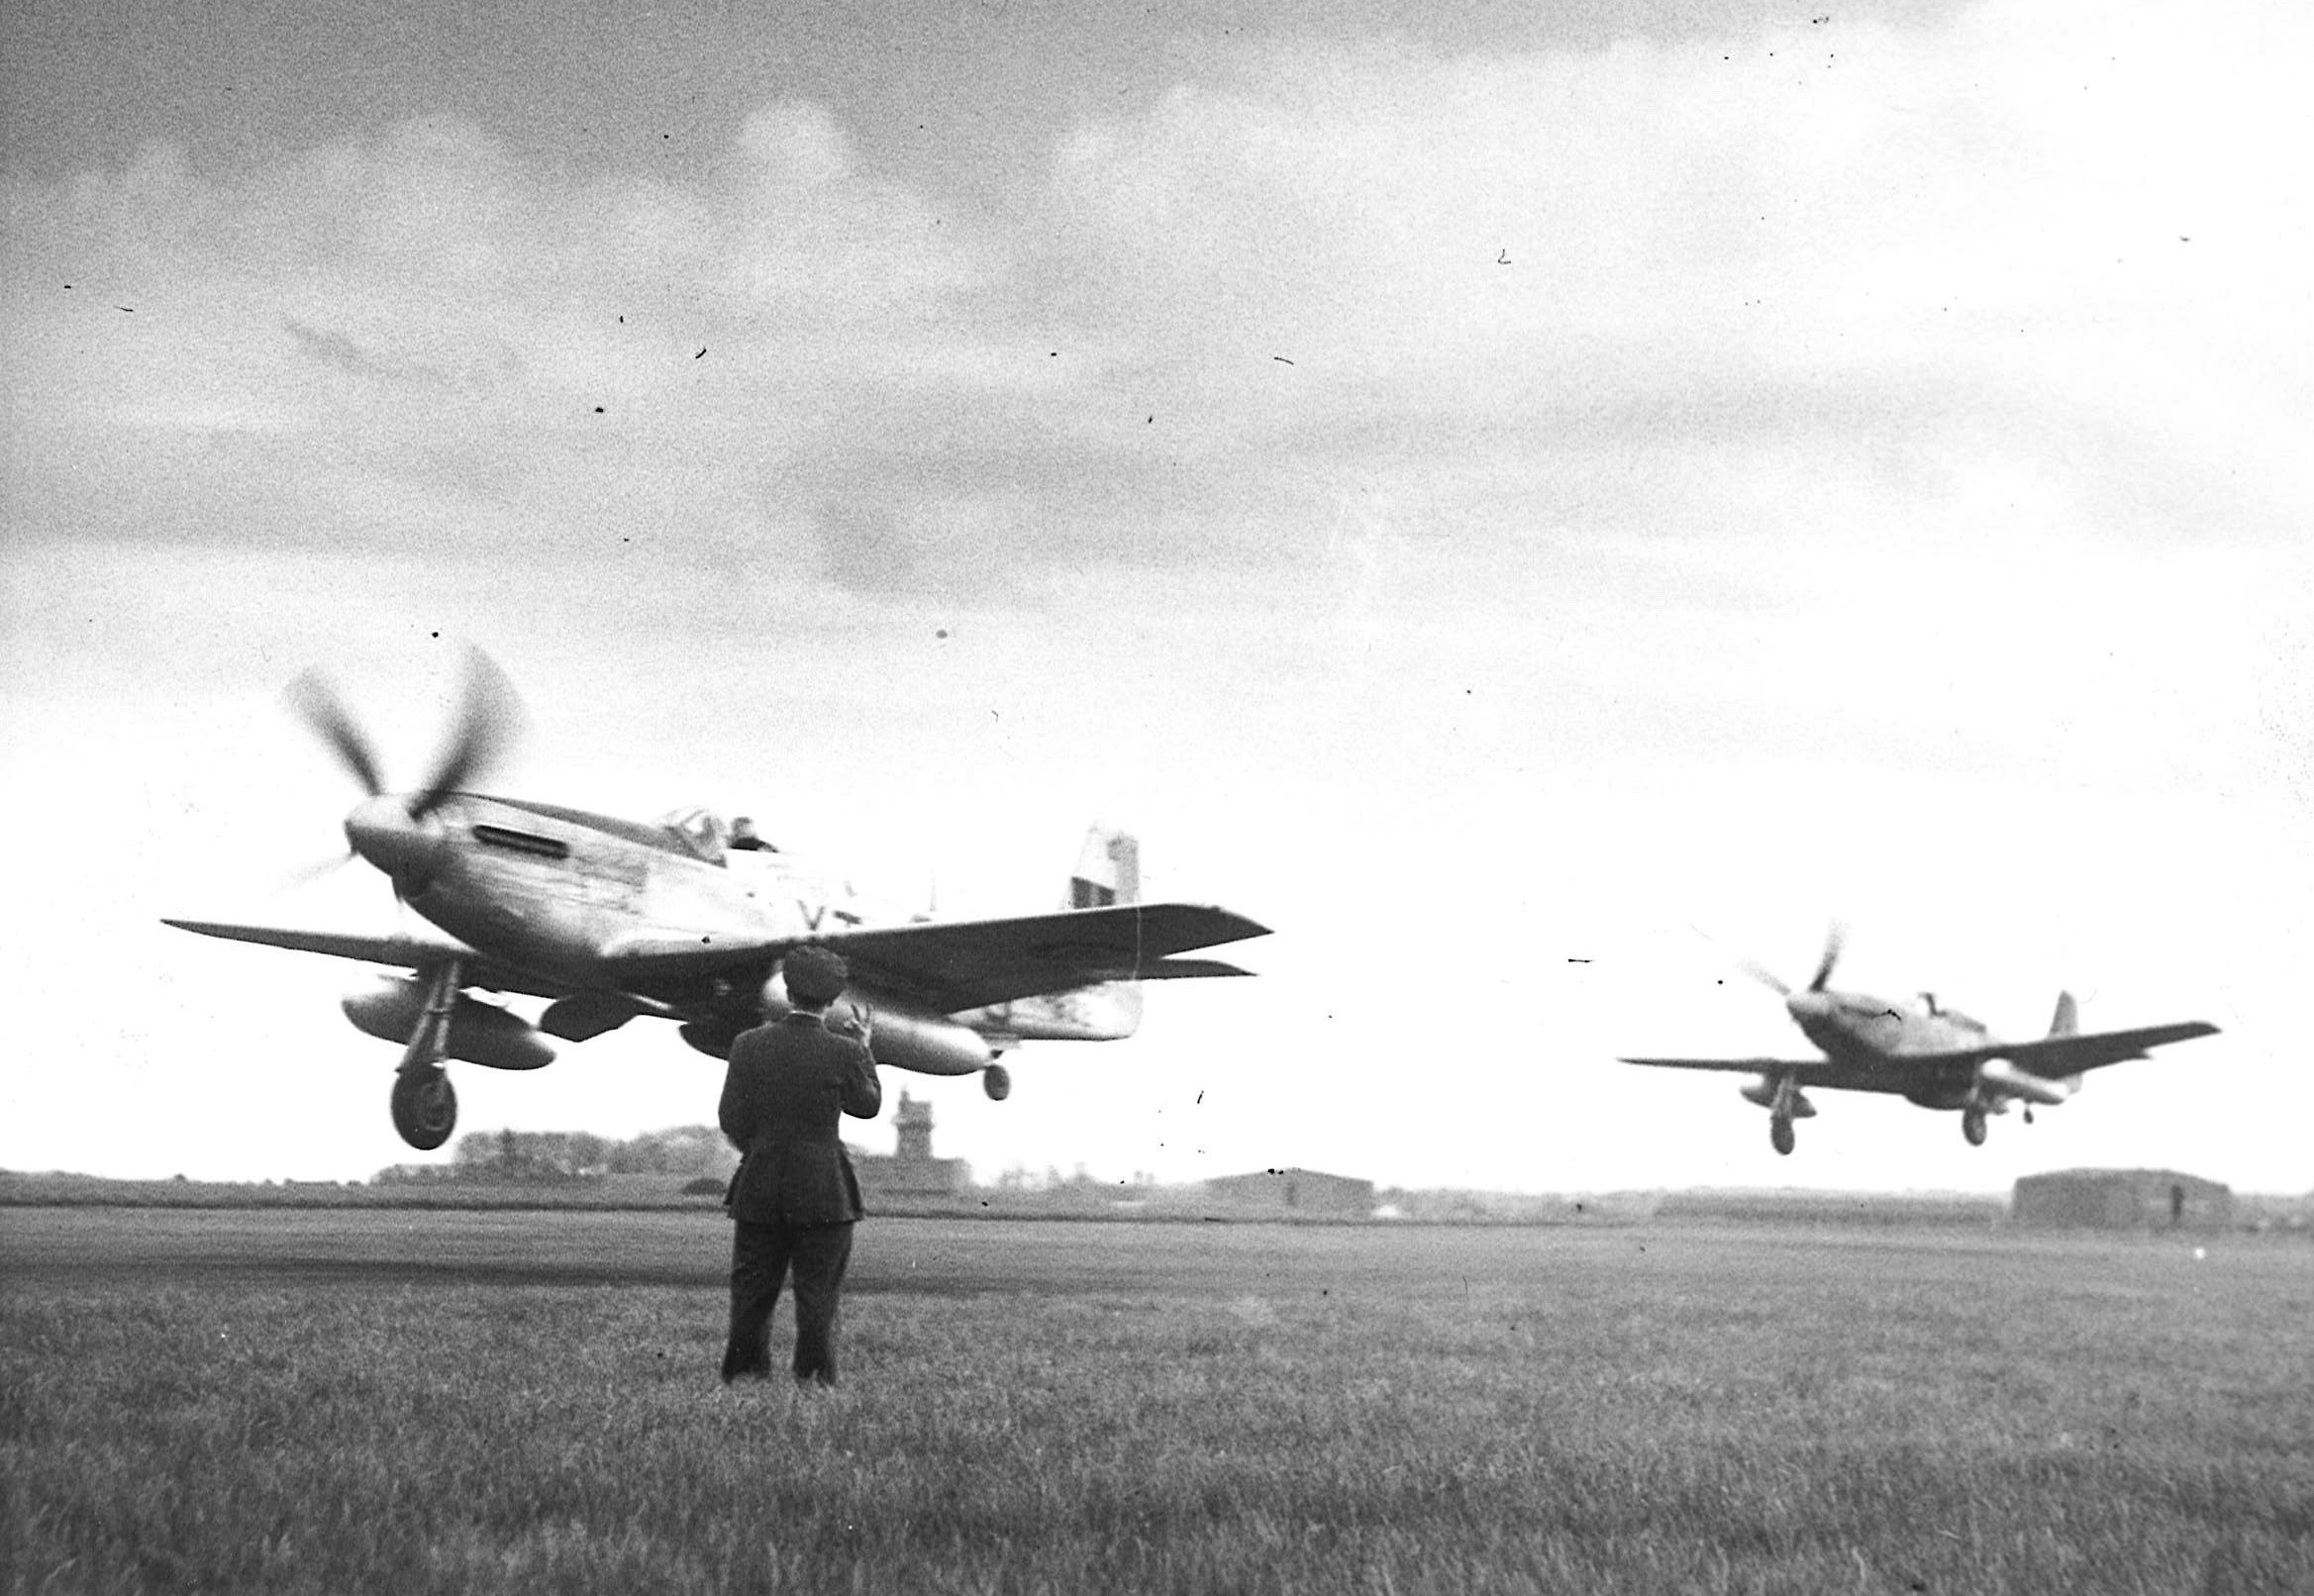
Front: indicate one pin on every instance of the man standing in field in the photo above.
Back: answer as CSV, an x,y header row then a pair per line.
x,y
795,1197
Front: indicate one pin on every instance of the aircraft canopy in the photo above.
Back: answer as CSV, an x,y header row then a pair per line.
x,y
697,830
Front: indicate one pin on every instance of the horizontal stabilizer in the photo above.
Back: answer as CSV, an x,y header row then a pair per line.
x,y
1182,969
1163,970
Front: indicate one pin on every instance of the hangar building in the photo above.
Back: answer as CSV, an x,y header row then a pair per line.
x,y
1300,1191
2123,1199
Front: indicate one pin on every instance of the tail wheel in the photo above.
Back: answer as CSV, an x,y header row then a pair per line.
x,y
1780,1135
1972,1125
996,1081
426,1107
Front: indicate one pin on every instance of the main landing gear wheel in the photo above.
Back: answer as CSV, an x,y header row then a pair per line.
x,y
996,1081
426,1107
1972,1125
1780,1135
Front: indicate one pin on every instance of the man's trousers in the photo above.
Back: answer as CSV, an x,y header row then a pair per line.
x,y
761,1255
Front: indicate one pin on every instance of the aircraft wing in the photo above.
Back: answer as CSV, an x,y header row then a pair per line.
x,y
399,950
2054,1056
1806,1071
960,965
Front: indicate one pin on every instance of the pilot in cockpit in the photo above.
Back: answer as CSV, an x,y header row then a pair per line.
x,y
699,831
745,836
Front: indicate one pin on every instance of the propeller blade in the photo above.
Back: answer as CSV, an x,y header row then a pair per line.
x,y
490,722
1834,938
314,701
307,874
1766,977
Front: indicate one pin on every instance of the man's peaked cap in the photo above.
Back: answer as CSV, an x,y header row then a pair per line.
x,y
814,975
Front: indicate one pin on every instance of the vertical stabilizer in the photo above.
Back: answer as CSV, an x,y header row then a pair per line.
x,y
2063,1024
1108,871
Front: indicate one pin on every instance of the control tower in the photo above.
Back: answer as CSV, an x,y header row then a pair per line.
x,y
911,1170
914,1119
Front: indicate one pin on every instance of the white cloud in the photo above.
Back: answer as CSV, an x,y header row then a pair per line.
x,y
1983,213
1706,284
799,146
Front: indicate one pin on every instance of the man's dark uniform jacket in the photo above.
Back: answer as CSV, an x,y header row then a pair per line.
x,y
788,1086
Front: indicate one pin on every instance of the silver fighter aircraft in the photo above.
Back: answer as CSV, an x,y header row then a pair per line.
x,y
685,919
1924,1052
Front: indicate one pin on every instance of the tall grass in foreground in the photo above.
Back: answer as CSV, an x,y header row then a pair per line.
x,y
1624,1414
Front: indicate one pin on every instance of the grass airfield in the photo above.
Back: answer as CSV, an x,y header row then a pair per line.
x,y
353,1400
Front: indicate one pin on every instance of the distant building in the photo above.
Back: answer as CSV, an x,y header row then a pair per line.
x,y
911,1171
1300,1191
2123,1199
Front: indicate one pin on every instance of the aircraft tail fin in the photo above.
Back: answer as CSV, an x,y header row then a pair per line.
x,y
1108,871
2063,1022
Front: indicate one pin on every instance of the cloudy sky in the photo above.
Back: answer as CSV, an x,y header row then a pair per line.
x,y
1536,509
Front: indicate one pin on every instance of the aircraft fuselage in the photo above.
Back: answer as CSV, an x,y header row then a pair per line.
x,y
557,896
1857,1030
1884,1046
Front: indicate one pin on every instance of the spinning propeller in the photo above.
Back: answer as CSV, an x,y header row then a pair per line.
x,y
1833,941
390,830
1808,1001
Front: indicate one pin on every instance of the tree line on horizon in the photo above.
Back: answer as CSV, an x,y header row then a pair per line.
x,y
684,1150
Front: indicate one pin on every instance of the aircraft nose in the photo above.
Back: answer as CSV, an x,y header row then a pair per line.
x,y
1806,1006
381,831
